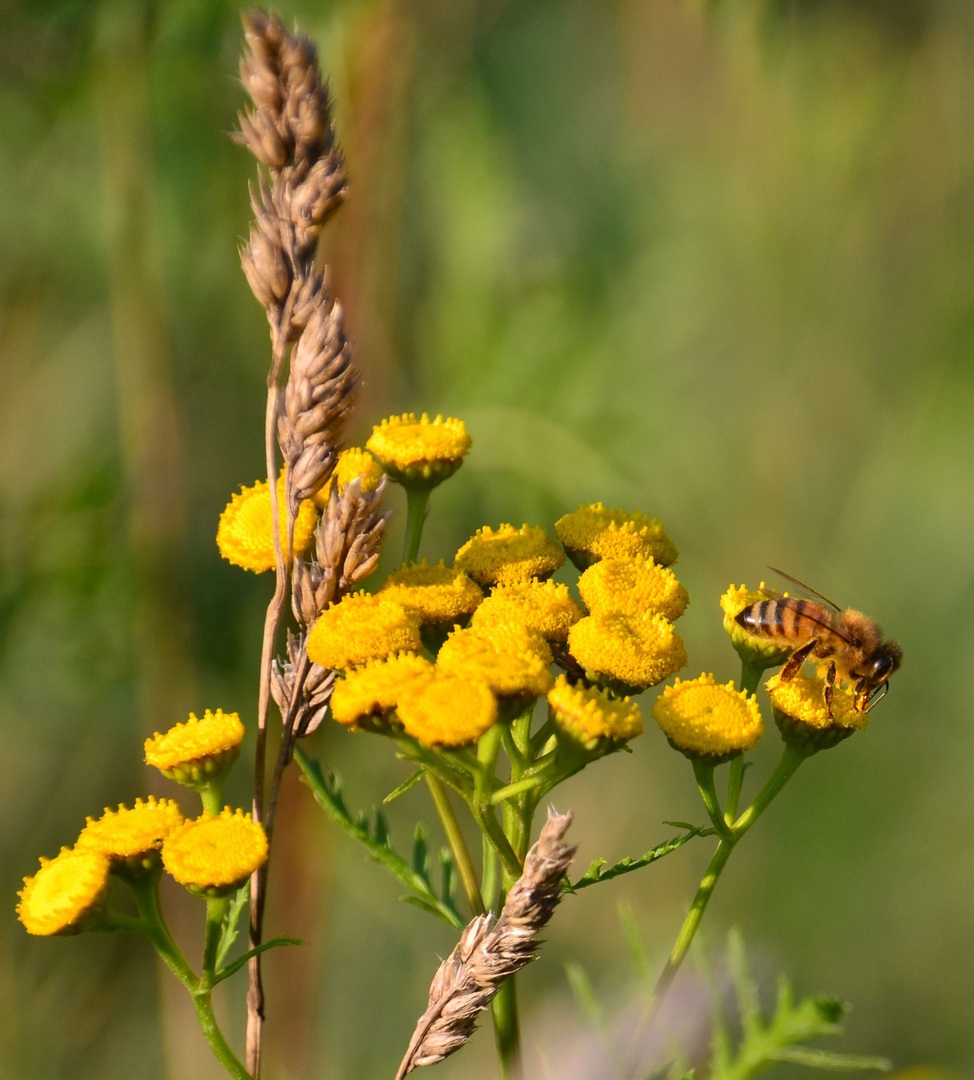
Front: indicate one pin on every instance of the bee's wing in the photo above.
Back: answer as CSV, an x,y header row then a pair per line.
x,y
827,621
809,592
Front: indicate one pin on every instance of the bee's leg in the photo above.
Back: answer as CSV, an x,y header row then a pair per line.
x,y
797,658
830,687
861,701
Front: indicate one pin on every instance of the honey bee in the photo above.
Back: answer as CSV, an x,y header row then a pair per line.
x,y
852,644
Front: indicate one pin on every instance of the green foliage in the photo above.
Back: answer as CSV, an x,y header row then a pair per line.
x,y
765,1042
376,840
598,871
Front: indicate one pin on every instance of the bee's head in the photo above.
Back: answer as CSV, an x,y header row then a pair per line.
x,y
886,660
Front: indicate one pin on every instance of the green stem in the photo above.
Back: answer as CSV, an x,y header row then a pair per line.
x,y
454,836
155,929
750,678
704,773
212,797
416,503
216,909
214,1036
684,939
791,757
507,1033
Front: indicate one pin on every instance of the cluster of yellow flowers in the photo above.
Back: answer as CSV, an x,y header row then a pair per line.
x,y
496,623
210,855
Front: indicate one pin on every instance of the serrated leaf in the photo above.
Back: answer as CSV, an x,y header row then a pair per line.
x,y
327,793
823,1059
420,851
411,781
230,928
274,943
448,874
599,871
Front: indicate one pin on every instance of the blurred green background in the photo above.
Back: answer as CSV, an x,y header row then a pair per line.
x,y
712,260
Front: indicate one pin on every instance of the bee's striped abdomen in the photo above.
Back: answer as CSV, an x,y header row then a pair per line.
x,y
776,618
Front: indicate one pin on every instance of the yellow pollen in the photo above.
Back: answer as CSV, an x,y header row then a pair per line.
x,y
360,628
128,834
198,738
373,690
506,556
512,660
705,718
633,588
590,715
449,710
539,605
597,532
637,651
65,894
244,534
440,594
215,854
802,699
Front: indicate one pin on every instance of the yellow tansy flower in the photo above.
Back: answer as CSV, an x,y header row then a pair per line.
x,y
763,652
440,594
506,555
66,895
540,605
195,752
803,717
633,588
591,717
419,452
704,718
449,710
373,690
633,651
127,836
360,628
512,660
352,464
597,532
244,534
215,855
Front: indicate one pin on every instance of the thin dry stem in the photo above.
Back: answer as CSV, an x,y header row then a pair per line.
x,y
489,952
289,131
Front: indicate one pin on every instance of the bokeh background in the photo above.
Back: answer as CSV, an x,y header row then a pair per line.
x,y
714,260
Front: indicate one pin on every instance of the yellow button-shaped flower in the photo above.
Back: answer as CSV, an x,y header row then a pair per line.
x,y
629,650
373,690
598,532
506,555
540,605
125,834
449,710
440,594
244,535
802,715
634,588
512,660
707,719
360,628
194,752
66,895
215,855
591,716
419,452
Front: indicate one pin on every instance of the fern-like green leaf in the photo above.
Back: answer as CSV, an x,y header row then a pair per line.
x,y
327,791
599,871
